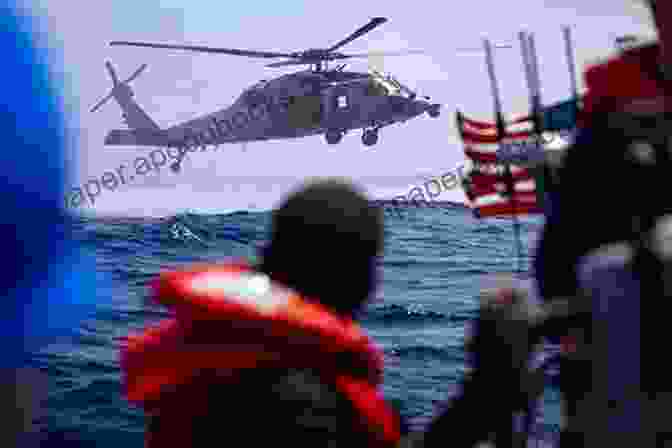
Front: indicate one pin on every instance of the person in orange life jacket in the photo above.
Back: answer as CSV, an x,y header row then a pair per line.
x,y
271,352
604,196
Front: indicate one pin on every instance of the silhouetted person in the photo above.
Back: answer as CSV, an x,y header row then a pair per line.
x,y
272,353
611,194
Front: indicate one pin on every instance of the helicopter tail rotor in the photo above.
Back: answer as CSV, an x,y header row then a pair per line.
x,y
113,74
117,85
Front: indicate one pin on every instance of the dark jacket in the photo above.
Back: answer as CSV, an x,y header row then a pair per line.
x,y
611,189
291,407
599,187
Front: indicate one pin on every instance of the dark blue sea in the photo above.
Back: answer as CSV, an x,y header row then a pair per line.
x,y
435,262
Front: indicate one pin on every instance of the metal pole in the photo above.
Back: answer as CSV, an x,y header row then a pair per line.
x,y
569,52
522,37
534,67
532,77
501,132
493,82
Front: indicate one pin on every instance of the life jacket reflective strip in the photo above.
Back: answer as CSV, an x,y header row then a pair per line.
x,y
267,325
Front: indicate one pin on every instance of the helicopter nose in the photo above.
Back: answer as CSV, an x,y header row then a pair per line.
x,y
415,108
398,104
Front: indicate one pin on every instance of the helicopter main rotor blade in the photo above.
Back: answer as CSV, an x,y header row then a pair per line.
x,y
201,49
360,32
101,102
290,62
480,50
380,54
113,74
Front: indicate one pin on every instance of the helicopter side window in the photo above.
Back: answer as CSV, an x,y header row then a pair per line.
x,y
342,101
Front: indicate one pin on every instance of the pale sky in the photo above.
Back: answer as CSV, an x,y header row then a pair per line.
x,y
179,85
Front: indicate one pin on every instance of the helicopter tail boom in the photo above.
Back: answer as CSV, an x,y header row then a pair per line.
x,y
136,137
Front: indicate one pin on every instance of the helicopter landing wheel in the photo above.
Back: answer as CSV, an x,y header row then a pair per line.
x,y
333,137
370,137
175,167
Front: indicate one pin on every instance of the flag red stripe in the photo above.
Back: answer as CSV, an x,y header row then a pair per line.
x,y
480,157
485,187
497,210
489,125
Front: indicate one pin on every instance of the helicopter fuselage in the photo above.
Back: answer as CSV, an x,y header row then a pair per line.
x,y
310,102
299,105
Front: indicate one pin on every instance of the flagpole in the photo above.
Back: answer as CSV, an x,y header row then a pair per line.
x,y
501,132
522,37
459,122
569,53
536,81
535,107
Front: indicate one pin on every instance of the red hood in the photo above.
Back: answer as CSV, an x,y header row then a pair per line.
x,y
630,76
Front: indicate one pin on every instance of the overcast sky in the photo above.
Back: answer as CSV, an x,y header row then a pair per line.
x,y
179,85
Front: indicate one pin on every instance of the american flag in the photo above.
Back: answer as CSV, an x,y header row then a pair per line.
x,y
485,182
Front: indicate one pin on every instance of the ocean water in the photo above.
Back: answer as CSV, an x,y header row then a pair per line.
x,y
435,262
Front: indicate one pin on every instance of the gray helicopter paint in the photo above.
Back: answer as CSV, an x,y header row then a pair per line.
x,y
284,97
264,113
267,117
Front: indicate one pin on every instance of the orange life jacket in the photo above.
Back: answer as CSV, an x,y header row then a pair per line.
x,y
265,325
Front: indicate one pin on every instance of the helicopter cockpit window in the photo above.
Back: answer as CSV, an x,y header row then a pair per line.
x,y
385,84
376,88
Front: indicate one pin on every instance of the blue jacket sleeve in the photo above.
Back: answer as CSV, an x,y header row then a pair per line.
x,y
48,287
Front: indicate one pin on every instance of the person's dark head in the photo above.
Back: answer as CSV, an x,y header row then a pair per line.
x,y
325,241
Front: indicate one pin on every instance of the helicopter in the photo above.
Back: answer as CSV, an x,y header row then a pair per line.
x,y
316,101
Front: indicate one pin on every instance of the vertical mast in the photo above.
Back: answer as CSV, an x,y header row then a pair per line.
x,y
501,133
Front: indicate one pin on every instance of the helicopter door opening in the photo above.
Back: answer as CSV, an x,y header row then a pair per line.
x,y
337,103
305,111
